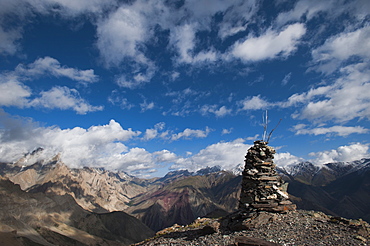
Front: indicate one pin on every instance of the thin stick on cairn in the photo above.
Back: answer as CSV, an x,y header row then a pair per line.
x,y
262,188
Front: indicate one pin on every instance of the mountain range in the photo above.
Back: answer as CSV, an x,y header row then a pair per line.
x,y
111,200
47,219
341,189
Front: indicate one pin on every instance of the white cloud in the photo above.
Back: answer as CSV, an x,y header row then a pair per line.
x,y
343,131
344,153
150,134
122,37
63,98
21,11
135,160
157,131
254,103
342,101
50,66
8,40
95,146
165,156
227,155
214,109
174,75
208,56
191,133
270,45
286,79
73,8
226,131
285,159
121,34
305,97
307,8
16,93
253,138
146,106
116,99
237,17
137,78
183,38
180,96
341,47
102,146
13,92
222,111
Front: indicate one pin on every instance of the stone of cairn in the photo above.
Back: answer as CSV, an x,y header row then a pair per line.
x,y
262,188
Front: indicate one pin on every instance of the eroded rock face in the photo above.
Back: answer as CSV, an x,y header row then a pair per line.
x,y
262,188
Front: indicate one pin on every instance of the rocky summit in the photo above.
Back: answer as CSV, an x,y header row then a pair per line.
x,y
300,227
265,216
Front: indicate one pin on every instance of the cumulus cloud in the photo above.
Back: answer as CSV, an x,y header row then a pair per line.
x,y
116,99
301,129
104,146
254,103
146,106
341,101
180,96
135,161
306,8
8,41
191,133
63,98
342,47
51,67
95,146
226,131
286,159
182,38
121,34
216,110
237,18
21,10
16,93
165,156
157,131
13,92
270,45
355,151
73,8
125,33
137,78
227,155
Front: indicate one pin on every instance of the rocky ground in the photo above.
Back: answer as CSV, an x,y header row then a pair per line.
x,y
263,228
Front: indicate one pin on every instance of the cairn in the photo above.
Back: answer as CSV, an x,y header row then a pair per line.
x,y
262,188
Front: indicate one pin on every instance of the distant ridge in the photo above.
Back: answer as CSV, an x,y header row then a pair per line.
x,y
48,219
182,196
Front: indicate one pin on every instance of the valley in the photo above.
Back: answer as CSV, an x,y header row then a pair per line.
x,y
47,201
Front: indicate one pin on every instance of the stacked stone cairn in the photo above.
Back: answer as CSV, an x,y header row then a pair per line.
x,y
262,188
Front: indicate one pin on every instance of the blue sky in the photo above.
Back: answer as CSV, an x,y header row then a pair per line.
x,y
151,86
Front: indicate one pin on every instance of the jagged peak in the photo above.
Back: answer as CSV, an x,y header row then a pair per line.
x,y
208,170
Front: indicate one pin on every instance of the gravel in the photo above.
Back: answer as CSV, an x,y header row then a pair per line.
x,y
292,228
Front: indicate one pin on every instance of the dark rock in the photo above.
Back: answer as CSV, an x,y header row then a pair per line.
x,y
245,241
